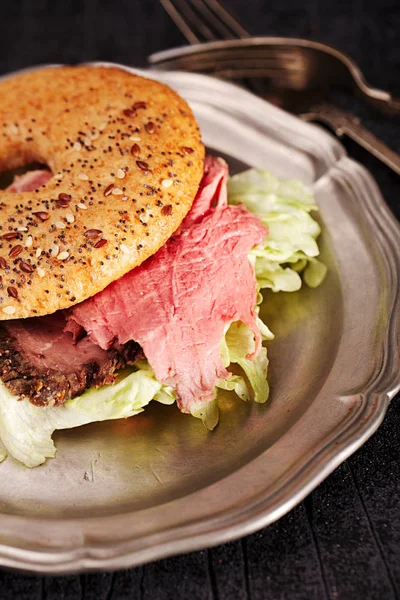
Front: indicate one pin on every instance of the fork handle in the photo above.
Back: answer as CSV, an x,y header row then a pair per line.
x,y
386,103
344,123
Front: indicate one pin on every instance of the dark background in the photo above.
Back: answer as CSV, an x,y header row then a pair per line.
x,y
343,541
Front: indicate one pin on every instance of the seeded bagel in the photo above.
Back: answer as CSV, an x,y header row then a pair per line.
x,y
126,158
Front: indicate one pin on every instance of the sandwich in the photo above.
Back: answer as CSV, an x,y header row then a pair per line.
x,y
132,265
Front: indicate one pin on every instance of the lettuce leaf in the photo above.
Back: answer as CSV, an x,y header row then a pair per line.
x,y
208,412
290,248
26,430
237,344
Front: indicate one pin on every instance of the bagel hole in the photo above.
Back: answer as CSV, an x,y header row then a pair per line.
x,y
8,177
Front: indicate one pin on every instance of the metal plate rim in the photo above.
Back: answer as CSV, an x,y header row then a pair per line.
x,y
91,554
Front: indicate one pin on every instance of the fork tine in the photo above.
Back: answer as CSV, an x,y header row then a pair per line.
x,y
192,27
180,22
242,62
222,32
230,71
281,53
273,68
212,22
286,59
278,76
227,19
212,14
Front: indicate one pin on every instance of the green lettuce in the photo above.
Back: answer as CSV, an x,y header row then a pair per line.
x,y
238,343
290,248
26,430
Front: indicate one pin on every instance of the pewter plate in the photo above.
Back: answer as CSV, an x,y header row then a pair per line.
x,y
122,493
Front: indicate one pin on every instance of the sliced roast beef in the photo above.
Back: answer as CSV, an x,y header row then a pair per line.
x,y
212,193
42,362
178,304
29,181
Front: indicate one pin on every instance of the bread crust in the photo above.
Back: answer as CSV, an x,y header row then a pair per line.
x,y
127,159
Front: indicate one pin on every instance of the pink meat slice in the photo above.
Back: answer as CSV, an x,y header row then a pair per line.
x,y
178,304
212,192
29,181
47,347
40,361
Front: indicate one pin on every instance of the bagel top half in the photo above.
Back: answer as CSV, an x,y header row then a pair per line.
x,y
126,158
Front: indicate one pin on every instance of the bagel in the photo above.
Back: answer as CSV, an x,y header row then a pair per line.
x,y
126,157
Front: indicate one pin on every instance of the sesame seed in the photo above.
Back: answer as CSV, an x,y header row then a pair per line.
x,y
135,138
29,241
83,177
145,217
120,174
124,249
102,126
40,272
92,261
59,225
117,192
166,183
70,218
9,310
63,255
22,229
54,250
58,176
124,198
38,252
77,146
94,136
82,206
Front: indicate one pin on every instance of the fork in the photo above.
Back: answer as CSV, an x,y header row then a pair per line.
x,y
298,71
290,62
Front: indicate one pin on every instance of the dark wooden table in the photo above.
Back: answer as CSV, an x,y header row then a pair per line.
x,y
343,541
